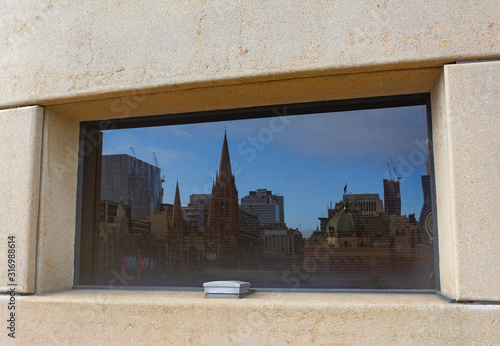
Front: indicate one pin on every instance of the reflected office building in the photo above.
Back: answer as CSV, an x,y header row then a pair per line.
x,y
134,182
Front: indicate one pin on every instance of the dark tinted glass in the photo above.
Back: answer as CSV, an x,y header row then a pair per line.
x,y
321,200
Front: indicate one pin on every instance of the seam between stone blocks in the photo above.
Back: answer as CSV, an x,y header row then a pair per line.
x,y
38,231
451,161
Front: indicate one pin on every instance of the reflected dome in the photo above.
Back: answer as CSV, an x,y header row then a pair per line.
x,y
345,223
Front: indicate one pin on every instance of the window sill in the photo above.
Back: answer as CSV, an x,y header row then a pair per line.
x,y
169,296
153,316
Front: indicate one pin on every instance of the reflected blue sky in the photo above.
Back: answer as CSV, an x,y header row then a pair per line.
x,y
307,159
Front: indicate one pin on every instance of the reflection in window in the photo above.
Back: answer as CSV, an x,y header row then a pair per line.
x,y
179,205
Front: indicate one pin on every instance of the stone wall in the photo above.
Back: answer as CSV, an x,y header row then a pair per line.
x,y
66,62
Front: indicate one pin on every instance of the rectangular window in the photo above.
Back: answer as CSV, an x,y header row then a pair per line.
x,y
320,195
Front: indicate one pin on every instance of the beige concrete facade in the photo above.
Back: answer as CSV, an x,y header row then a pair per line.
x,y
20,150
146,318
90,61
473,118
102,49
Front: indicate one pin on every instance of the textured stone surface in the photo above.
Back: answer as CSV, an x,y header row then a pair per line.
x,y
473,120
442,173
195,55
324,88
65,50
56,236
156,317
20,155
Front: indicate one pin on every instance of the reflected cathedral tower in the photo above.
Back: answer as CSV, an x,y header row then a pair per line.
x,y
222,235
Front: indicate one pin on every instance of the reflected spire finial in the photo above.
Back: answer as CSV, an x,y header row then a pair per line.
x,y
225,162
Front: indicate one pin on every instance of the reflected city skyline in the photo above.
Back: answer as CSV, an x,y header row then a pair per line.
x,y
360,241
317,154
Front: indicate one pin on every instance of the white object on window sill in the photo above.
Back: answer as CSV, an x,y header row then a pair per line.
x,y
226,289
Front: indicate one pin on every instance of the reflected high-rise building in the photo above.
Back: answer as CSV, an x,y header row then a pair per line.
x,y
268,207
133,181
392,197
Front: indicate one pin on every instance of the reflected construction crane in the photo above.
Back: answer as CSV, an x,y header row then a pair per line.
x,y
391,165
389,169
156,160
156,164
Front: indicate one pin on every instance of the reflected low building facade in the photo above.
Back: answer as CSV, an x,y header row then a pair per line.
x,y
348,240
127,246
361,246
281,241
